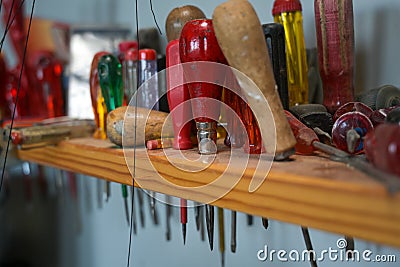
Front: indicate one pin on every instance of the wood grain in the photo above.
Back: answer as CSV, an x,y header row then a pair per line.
x,y
310,191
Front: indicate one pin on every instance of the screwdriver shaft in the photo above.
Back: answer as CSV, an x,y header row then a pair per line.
x,y
210,225
125,196
221,234
141,211
233,232
309,246
183,218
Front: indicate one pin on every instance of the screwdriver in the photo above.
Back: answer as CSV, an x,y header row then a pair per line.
x,y
308,142
221,228
334,24
183,218
205,112
110,78
180,112
382,148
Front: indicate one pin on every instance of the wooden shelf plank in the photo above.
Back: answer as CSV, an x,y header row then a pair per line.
x,y
310,191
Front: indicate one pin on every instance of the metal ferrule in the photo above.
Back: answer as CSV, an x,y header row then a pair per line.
x,y
207,137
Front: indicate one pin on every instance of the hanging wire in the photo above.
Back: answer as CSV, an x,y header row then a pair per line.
x,y
154,16
17,96
134,145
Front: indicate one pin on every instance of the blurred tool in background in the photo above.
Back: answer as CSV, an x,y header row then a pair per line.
x,y
111,84
128,57
148,95
289,14
98,105
352,123
384,96
335,38
275,38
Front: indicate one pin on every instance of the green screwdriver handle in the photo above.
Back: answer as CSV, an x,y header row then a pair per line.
x,y
110,78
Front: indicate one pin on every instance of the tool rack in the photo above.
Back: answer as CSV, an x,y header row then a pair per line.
x,y
311,191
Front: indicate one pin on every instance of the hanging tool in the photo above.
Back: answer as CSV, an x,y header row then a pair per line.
x,y
249,219
307,240
335,39
233,231
289,14
240,35
152,203
210,224
73,189
183,203
111,84
221,229
168,214
141,204
307,142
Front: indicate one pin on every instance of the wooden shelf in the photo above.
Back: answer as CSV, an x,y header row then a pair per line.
x,y
310,191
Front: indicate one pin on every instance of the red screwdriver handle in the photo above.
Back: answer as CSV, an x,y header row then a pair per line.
x,y
335,39
181,112
382,147
198,43
305,137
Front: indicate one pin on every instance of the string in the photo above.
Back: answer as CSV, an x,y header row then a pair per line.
x,y
134,144
154,17
17,96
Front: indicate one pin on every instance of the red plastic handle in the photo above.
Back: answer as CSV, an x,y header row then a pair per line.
x,y
177,95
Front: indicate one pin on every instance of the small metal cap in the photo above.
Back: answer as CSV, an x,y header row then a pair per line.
x,y
207,137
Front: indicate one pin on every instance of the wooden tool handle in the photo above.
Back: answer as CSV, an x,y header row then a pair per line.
x,y
177,18
241,38
150,124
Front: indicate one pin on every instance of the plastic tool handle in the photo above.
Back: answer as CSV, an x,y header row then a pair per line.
x,y
275,37
382,148
335,39
198,43
110,77
176,96
305,137
242,41
98,105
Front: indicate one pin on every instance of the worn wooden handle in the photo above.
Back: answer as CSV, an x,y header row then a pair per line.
x,y
240,36
150,124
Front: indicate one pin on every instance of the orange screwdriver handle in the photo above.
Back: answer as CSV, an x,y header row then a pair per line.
x,y
98,104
